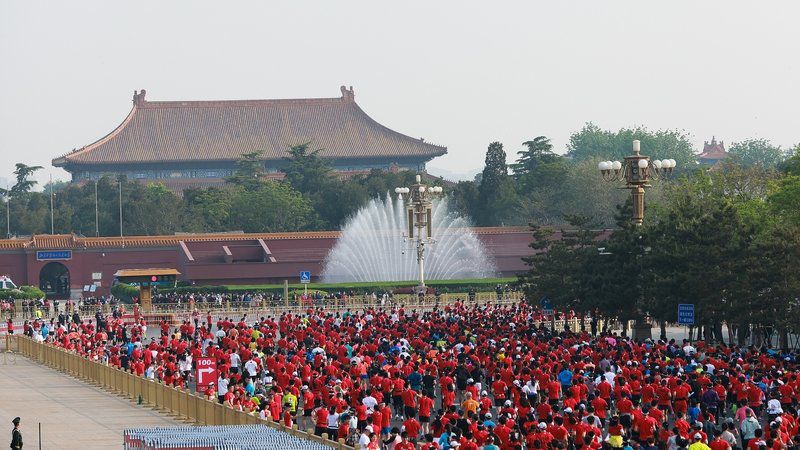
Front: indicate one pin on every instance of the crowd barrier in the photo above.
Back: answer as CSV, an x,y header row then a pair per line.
x,y
178,403
341,305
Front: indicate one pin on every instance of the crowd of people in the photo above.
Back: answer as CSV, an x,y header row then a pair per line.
x,y
462,378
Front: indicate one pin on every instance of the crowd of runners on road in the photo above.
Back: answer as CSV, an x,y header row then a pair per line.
x,y
462,378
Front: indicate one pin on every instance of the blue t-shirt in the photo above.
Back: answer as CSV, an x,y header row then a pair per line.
x,y
565,378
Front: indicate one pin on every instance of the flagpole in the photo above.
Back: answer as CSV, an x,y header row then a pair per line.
x,y
96,212
8,212
52,223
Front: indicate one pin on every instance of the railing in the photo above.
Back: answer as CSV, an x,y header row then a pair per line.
x,y
340,305
179,403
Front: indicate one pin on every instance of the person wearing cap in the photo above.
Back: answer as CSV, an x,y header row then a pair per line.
x,y
697,443
16,435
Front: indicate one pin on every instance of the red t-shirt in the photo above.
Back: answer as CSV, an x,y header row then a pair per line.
x,y
412,428
719,444
425,406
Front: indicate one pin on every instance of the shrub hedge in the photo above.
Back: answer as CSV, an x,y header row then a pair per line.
x,y
443,286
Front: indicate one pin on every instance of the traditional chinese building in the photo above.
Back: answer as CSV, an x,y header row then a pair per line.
x,y
713,152
196,143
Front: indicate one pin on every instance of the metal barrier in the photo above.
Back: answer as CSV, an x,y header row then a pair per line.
x,y
426,303
181,404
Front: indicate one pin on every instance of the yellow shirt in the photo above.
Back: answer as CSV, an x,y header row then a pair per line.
x,y
470,406
699,446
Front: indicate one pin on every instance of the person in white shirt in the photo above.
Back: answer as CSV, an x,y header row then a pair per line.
x,y
369,401
252,368
774,408
364,440
333,424
235,361
222,388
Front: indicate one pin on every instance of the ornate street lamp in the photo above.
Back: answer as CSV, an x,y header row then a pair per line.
x,y
419,209
636,170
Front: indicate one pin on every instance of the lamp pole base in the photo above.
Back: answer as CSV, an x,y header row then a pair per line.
x,y
641,330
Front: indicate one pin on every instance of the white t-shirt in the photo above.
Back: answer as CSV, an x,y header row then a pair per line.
x,y
364,441
235,360
369,402
333,422
222,386
252,368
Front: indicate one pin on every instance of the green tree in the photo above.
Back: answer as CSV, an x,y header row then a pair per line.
x,y
591,142
558,266
305,170
249,170
272,207
538,152
496,193
757,152
24,184
791,165
208,210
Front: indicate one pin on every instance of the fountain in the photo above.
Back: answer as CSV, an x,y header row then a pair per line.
x,y
373,247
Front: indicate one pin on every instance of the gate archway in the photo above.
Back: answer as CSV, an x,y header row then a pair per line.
x,y
54,280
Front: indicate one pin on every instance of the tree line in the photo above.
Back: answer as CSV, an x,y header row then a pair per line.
x,y
538,186
726,240
310,197
545,187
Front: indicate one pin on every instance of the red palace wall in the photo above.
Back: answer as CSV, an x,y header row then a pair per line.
x,y
211,259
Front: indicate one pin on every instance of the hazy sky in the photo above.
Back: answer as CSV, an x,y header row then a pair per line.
x,y
458,73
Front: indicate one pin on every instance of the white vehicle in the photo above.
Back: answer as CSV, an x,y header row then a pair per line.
x,y
6,283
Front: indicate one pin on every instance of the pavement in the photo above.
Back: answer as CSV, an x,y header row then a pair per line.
x,y
73,414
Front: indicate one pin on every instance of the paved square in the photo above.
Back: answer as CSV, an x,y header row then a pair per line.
x,y
74,414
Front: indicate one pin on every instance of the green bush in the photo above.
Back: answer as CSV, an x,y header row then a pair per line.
x,y
23,293
124,292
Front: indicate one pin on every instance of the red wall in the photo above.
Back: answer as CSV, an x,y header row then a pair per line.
x,y
209,267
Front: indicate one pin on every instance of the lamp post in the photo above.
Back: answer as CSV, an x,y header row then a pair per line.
x,y
636,170
419,210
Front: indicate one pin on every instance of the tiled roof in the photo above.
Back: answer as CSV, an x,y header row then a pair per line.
x,y
713,150
67,241
224,130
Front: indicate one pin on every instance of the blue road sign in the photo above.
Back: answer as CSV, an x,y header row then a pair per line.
x,y
686,314
54,255
305,277
545,303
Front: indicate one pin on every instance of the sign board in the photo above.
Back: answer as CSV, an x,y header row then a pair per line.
x,y
53,255
93,288
547,306
86,288
97,275
686,314
206,372
305,277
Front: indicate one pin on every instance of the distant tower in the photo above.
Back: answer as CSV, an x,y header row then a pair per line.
x,y
713,152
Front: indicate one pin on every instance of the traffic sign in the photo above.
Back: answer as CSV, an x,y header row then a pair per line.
x,y
686,314
305,277
206,372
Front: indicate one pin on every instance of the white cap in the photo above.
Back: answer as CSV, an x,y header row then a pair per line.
x,y
542,425
698,436
568,410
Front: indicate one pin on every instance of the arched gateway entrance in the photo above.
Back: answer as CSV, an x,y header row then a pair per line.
x,y
54,280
